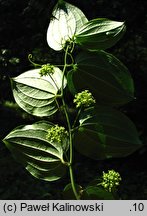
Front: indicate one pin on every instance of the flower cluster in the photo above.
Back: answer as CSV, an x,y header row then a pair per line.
x,y
84,99
46,70
57,134
111,180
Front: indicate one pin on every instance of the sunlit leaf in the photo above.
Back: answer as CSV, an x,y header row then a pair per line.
x,y
30,146
37,94
100,33
66,21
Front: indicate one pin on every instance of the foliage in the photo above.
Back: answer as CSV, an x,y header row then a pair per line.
x,y
95,128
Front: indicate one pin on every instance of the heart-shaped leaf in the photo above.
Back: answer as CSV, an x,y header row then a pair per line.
x,y
104,75
106,133
30,146
66,21
100,33
37,94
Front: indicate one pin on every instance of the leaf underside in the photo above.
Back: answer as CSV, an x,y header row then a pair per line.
x,y
37,94
67,20
29,145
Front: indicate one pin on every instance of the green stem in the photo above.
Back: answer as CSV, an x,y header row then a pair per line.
x,y
67,65
73,183
69,129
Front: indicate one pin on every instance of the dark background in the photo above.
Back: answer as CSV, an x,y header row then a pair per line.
x,y
23,26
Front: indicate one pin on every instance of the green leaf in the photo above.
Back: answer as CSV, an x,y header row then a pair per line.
x,y
100,33
68,193
40,157
104,76
37,94
67,20
106,133
96,193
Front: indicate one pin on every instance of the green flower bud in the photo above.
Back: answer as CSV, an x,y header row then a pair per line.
x,y
46,70
57,134
84,99
111,180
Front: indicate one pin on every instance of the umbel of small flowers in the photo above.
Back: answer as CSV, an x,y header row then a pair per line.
x,y
57,134
84,99
111,180
46,69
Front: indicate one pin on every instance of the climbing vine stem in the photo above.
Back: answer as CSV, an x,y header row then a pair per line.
x,y
69,126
